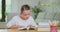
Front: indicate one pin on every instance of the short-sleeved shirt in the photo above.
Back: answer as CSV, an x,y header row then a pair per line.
x,y
16,20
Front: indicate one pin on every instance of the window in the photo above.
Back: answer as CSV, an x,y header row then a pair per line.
x,y
5,8
8,7
0,10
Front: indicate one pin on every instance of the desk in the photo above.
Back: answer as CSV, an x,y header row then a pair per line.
x,y
10,30
14,30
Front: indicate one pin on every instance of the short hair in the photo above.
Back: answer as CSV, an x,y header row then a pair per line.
x,y
25,7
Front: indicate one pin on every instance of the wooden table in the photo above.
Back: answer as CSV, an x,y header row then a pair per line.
x,y
14,30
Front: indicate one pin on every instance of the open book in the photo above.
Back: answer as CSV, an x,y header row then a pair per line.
x,y
26,28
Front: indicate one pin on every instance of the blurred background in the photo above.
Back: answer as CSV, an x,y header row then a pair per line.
x,y
41,10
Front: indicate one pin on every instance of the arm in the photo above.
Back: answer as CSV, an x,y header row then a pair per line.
x,y
12,23
15,27
32,23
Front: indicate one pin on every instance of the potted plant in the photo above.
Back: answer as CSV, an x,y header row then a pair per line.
x,y
36,10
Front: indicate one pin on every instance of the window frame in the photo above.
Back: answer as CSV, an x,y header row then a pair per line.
x,y
3,9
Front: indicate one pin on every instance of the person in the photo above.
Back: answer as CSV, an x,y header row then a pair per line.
x,y
53,26
24,20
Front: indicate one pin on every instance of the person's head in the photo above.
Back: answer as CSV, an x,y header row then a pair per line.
x,y
25,12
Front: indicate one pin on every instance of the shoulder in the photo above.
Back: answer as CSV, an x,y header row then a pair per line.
x,y
14,17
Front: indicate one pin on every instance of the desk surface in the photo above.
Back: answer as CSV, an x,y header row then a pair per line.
x,y
14,30
10,30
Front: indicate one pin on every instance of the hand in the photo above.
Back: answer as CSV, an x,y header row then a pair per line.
x,y
19,26
30,26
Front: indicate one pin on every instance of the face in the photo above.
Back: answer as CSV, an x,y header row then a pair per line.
x,y
25,14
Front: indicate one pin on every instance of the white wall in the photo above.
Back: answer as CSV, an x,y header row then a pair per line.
x,y
16,5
